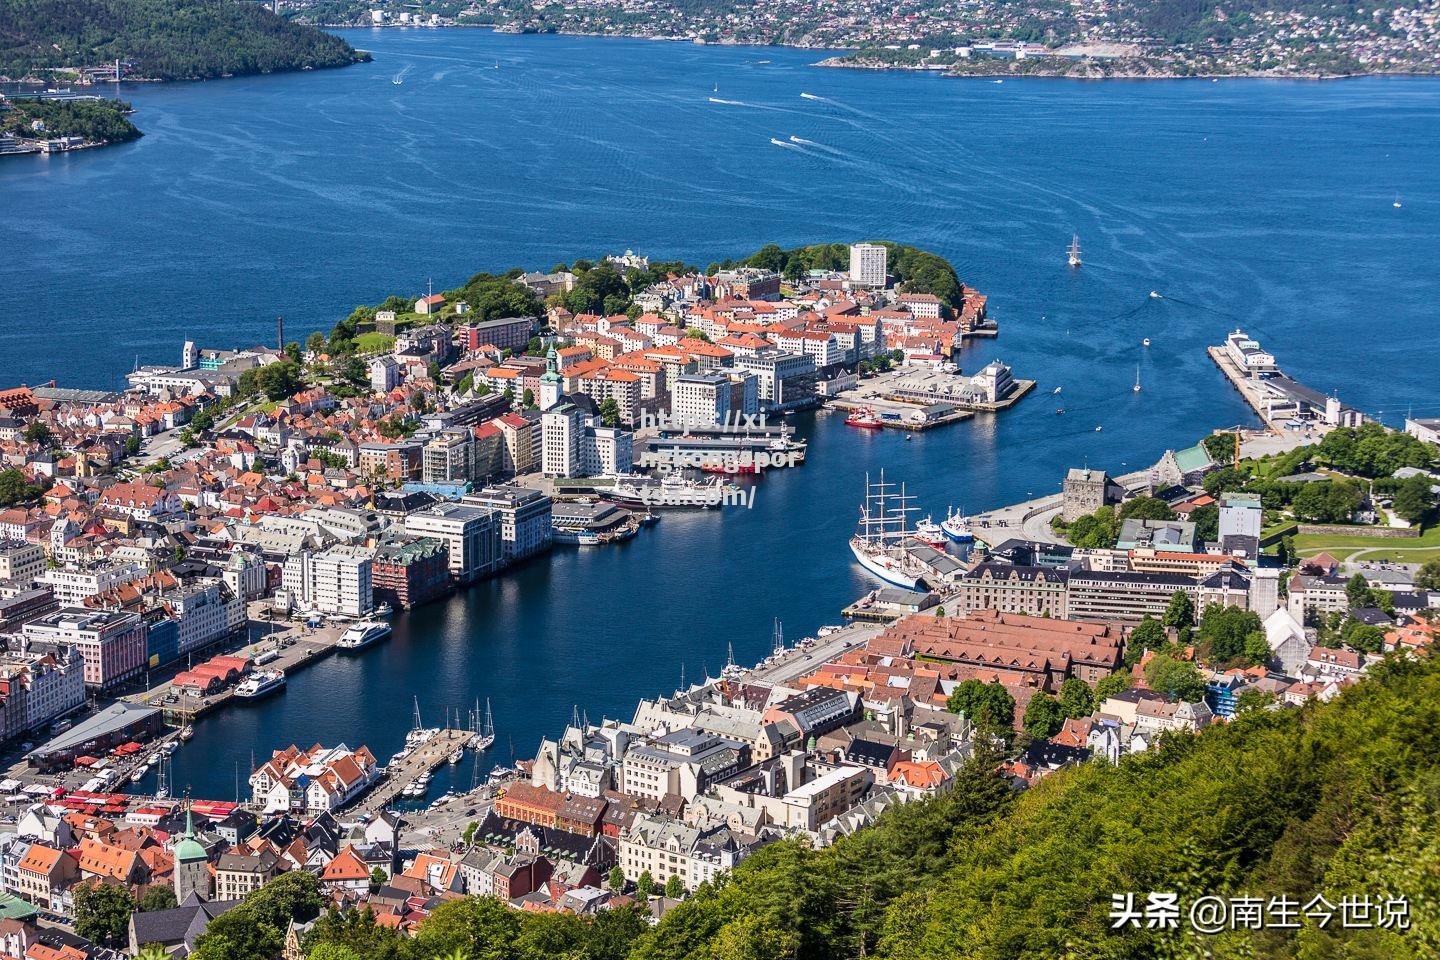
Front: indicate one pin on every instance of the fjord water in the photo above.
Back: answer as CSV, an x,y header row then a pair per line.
x,y
1261,204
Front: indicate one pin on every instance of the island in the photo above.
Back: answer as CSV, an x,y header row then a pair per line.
x,y
88,41
34,125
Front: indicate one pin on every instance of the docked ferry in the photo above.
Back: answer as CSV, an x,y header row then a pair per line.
x,y
260,683
864,417
649,493
363,634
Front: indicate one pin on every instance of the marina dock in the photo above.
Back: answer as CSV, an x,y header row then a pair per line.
x,y
429,756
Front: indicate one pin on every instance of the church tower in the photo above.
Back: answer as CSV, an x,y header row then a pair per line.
x,y
192,870
550,381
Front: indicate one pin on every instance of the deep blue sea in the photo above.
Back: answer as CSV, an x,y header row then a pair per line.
x,y
1263,204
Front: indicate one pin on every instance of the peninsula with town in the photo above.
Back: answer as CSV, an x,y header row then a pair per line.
x,y
1211,675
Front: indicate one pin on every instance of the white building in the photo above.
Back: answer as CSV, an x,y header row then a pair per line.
x,y
868,264
524,516
563,434
336,582
1240,516
21,561
72,585
700,398
471,533
314,780
53,685
782,379
204,613
384,374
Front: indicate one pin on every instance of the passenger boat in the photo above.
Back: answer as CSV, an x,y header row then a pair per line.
x,y
260,683
956,526
864,417
674,491
363,634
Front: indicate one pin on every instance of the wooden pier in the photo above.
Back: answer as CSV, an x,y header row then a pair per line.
x,y
428,757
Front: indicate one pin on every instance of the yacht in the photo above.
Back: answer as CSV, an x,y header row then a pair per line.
x,y
260,683
484,737
383,611
363,634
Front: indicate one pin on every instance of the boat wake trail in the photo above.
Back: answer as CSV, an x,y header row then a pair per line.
x,y
730,103
786,144
811,96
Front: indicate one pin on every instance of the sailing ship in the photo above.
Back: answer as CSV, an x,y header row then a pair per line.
x,y
883,529
1075,250
484,737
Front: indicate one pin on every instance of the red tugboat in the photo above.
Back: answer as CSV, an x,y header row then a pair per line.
x,y
863,417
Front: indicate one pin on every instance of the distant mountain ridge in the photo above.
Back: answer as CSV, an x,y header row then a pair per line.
x,y
165,39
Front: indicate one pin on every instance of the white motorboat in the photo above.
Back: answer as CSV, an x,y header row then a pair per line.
x,y
260,683
362,635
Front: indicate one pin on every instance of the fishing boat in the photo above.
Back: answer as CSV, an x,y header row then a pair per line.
x,y
864,417
186,732
260,683
956,526
927,531
1075,250
362,635
484,737
883,529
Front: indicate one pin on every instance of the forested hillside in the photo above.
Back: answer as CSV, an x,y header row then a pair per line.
x,y
1330,799
167,39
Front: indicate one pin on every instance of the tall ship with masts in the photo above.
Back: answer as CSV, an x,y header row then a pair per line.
x,y
484,736
879,541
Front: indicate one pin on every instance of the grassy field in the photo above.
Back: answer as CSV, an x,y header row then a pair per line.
x,y
373,342
1417,550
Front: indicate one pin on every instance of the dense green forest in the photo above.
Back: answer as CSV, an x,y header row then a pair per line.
x,y
99,121
167,39
917,270
1329,799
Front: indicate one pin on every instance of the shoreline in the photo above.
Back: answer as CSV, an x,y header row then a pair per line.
x,y
836,61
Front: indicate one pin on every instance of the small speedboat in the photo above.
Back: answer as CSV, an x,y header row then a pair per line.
x,y
1146,341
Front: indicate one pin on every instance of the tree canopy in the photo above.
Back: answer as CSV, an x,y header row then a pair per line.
x,y
166,39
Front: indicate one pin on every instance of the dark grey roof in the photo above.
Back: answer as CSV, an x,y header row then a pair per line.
x,y
182,924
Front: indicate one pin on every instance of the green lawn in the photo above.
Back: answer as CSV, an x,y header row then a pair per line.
x,y
1409,550
373,342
